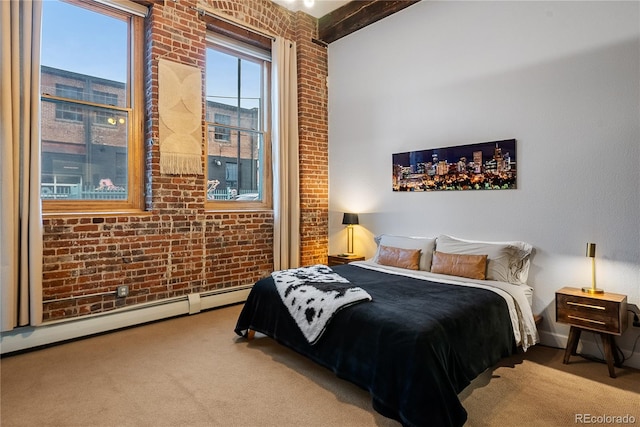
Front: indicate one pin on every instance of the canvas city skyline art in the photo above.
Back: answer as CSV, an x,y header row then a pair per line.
x,y
481,166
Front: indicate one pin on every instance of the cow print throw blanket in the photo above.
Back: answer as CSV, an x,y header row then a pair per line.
x,y
313,295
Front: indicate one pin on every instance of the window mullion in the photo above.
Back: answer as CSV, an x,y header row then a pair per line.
x,y
238,133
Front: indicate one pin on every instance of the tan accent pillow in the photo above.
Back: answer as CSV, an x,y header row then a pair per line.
x,y
470,266
506,261
398,257
425,244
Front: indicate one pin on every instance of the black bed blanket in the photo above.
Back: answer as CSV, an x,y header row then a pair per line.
x,y
414,347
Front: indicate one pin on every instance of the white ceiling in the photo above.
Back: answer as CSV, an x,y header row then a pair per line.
x,y
319,8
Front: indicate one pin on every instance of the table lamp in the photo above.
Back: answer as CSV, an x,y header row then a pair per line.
x,y
350,219
591,253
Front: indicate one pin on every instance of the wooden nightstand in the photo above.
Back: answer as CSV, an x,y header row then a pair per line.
x,y
343,259
603,313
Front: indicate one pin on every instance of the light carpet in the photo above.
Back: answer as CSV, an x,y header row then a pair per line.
x,y
194,371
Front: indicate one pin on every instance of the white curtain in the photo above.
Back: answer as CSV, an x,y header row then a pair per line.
x,y
20,207
286,176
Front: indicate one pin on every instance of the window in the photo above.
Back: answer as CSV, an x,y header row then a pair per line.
x,y
91,150
231,172
103,117
222,133
72,92
68,112
237,112
105,97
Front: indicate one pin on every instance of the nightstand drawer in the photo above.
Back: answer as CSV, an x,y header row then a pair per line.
x,y
597,314
342,259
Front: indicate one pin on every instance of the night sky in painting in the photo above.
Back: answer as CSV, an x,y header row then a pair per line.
x,y
453,154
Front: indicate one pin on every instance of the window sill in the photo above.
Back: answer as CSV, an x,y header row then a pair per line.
x,y
119,212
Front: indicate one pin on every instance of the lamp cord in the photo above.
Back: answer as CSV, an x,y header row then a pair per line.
x,y
623,357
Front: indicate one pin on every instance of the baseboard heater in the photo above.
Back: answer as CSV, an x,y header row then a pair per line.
x,y
29,337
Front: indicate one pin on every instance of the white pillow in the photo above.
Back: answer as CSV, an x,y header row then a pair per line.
x,y
506,261
425,244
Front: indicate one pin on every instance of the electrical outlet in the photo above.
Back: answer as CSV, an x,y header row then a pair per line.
x,y
123,291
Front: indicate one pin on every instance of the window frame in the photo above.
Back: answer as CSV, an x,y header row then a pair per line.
x,y
134,107
240,49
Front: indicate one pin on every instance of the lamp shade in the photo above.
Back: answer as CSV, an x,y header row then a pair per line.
x,y
350,219
591,250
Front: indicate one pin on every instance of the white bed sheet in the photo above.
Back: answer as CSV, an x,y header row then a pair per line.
x,y
517,297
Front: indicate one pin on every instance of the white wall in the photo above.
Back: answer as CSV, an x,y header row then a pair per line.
x,y
562,78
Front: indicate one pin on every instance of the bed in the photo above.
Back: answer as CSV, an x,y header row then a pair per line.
x,y
421,338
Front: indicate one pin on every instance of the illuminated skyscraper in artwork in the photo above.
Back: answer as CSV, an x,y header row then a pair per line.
x,y
497,156
477,161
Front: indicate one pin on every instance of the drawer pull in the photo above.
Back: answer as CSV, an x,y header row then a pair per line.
x,y
597,307
586,320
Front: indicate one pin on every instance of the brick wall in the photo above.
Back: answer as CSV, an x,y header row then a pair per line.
x,y
314,147
176,247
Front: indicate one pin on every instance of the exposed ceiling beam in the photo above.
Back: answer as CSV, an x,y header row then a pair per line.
x,y
356,15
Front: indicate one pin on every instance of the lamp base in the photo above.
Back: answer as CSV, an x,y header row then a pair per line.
x,y
593,290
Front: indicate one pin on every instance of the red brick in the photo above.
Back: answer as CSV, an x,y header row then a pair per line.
x,y
177,247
